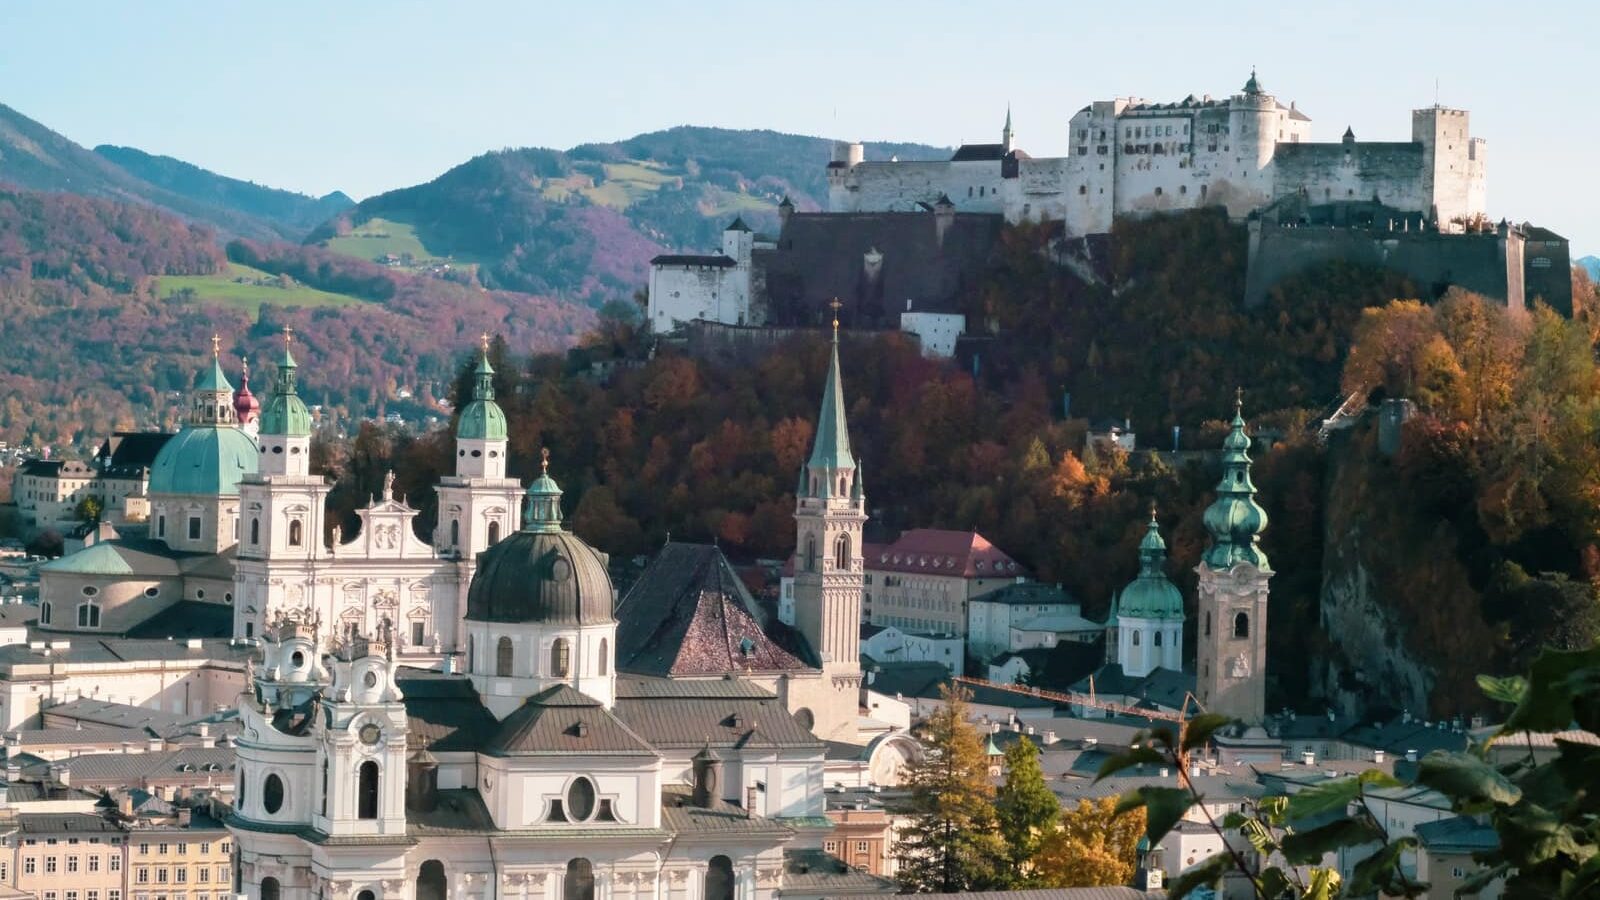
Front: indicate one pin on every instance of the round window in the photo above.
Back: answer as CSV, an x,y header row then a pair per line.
x,y
477,453
580,800
272,794
200,594
370,679
298,659
152,592
277,449
90,590
560,570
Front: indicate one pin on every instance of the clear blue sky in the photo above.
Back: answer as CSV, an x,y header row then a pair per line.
x,y
364,97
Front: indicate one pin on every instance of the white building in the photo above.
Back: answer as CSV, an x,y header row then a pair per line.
x,y
991,617
937,331
714,287
886,643
1131,157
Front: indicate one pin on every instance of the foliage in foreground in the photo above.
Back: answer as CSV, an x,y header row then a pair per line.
x,y
1544,810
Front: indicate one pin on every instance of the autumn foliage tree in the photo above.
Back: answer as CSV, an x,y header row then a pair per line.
x,y
950,842
1091,847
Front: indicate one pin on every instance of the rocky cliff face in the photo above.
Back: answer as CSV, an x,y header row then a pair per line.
x,y
1369,666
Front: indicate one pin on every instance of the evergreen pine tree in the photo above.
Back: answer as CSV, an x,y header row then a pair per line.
x,y
951,843
1027,810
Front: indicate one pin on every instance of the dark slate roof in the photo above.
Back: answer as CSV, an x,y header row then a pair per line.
x,y
187,619
812,871
42,467
1460,834
119,715
456,812
162,765
39,791
1032,593
1162,687
715,260
978,152
561,720
57,822
443,711
693,722
128,453
646,688
690,614
819,256
1399,736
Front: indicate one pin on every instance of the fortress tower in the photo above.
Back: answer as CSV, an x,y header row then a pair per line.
x,y
1453,164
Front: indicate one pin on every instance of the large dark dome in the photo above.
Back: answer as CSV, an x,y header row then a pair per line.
x,y
539,576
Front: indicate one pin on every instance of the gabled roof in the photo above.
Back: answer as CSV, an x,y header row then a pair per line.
x,y
978,152
690,614
694,722
443,712
715,260
562,720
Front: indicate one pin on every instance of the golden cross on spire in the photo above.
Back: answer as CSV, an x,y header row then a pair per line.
x,y
1152,510
835,304
216,344
246,368
288,334
544,460
484,338
1238,401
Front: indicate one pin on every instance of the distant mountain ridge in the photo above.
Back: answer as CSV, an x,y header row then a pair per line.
x,y
1590,264
585,222
297,212
35,158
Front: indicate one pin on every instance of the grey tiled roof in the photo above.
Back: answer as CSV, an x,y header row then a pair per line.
x,y
55,823
561,720
693,722
643,688
811,871
133,768
187,619
443,712
121,715
116,650
1459,834
682,817
690,614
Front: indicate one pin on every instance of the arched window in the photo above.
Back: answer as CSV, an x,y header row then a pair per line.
x,y
1158,639
324,786
430,881
89,614
269,888
811,553
455,532
579,883
367,790
841,552
255,531
719,879
366,895
272,794
844,487
1241,625
296,533
1208,623
1136,638
604,655
502,658
560,658
469,652
494,532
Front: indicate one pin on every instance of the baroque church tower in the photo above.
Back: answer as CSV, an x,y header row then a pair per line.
x,y
282,508
1231,651
830,510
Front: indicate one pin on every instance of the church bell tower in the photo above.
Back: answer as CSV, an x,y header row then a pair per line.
x,y
830,510
1231,650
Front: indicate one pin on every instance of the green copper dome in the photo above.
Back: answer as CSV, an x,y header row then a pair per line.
x,y
1151,595
213,380
204,459
482,419
285,414
1235,520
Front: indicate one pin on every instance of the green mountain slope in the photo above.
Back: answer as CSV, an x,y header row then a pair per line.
x,y
585,222
295,213
36,158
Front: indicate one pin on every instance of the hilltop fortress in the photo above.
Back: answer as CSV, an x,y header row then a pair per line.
x,y
1130,157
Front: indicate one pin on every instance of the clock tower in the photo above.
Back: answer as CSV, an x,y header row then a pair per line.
x,y
361,743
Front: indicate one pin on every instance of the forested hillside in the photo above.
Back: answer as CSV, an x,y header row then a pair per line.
x,y
709,451
585,222
97,339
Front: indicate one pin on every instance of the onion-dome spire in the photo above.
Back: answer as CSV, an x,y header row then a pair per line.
x,y
542,511
245,405
1151,595
832,447
482,419
1253,86
1235,520
284,413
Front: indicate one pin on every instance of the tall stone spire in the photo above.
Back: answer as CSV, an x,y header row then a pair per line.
x,y
1007,136
1234,519
831,450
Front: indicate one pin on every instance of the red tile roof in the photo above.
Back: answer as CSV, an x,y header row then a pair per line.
x,y
965,554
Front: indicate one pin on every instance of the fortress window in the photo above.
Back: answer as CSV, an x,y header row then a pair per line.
x,y
1136,638
1208,624
1158,192
1183,189
1241,625
455,532
969,190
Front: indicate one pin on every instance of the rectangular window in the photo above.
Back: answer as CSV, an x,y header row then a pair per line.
x,y
182,849
205,848
72,864
116,864
861,846
49,865
194,528
830,846
94,863
144,849
114,894
161,875
49,895
222,873
142,876
418,633
29,865
227,847
72,895
183,876
161,849
92,895
202,874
